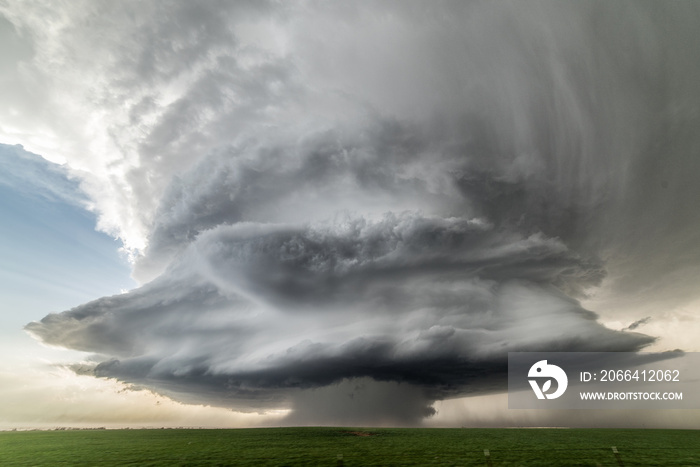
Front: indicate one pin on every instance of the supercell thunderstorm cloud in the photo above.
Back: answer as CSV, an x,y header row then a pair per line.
x,y
374,201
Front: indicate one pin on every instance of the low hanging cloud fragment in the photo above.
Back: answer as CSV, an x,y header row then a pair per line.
x,y
638,323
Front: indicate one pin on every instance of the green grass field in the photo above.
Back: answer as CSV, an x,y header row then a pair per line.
x,y
322,446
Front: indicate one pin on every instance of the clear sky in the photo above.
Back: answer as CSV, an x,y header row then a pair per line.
x,y
253,213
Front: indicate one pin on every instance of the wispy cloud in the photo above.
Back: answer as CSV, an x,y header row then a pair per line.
x,y
33,176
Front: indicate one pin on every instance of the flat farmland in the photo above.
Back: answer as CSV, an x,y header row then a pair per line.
x,y
352,447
